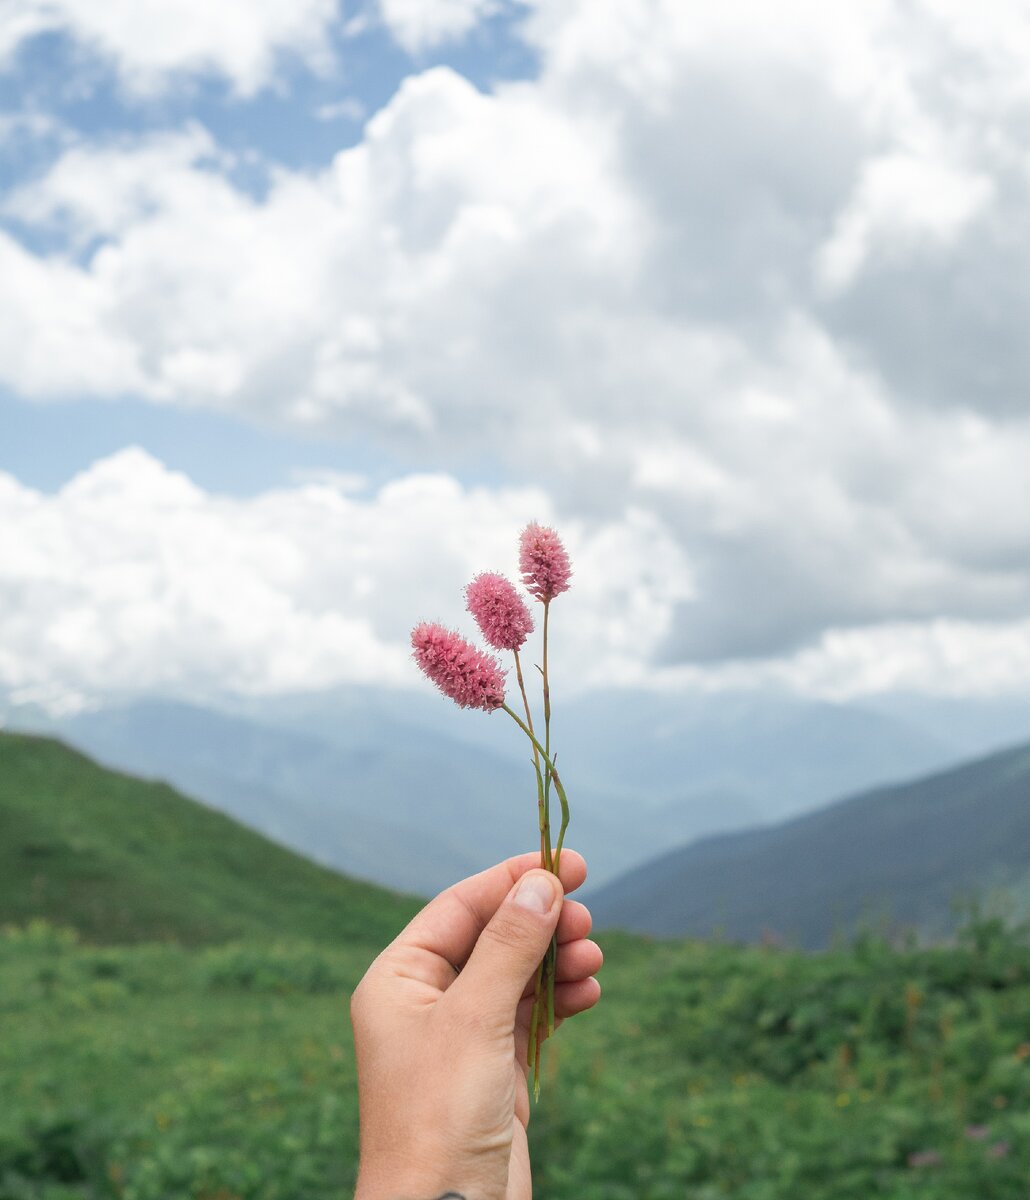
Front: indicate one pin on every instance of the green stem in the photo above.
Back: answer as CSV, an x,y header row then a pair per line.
x,y
547,690
532,1060
564,824
547,748
547,714
551,975
542,806
551,771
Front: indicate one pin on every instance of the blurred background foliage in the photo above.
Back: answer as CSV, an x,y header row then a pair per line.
x,y
214,1072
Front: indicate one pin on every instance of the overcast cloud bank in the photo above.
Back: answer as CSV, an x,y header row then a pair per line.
x,y
763,283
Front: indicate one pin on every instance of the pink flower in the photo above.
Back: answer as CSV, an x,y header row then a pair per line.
x,y
543,562
470,677
500,611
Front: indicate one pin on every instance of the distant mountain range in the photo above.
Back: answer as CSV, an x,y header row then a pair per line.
x,y
774,753
403,789
124,859
897,856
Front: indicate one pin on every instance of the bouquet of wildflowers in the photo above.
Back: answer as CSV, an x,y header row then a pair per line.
x,y
474,678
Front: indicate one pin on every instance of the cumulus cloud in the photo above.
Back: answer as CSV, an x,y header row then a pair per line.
x,y
132,579
329,300
151,42
900,200
764,284
421,24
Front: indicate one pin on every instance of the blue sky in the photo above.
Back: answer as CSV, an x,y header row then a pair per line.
x,y
299,122
290,122
305,308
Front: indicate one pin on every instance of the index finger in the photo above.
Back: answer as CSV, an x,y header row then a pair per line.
x,y
447,929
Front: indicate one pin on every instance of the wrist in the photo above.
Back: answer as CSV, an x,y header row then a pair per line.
x,y
415,1179
395,1194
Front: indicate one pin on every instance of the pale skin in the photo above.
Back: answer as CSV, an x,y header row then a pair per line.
x,y
441,1025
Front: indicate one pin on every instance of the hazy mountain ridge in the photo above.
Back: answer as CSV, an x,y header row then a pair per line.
x,y
397,804
786,752
901,853
405,790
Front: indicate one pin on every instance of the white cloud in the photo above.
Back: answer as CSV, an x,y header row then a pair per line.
x,y
132,579
604,279
422,24
297,303
940,657
56,334
350,108
93,192
150,42
900,201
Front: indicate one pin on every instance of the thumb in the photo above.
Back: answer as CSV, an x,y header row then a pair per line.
x,y
508,951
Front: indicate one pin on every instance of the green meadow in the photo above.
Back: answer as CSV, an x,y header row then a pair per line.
x,y
173,1023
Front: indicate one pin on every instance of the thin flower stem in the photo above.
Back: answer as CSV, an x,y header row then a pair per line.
x,y
543,991
545,824
536,1068
548,763
564,824
542,1020
547,714
532,1054
551,974
525,698
551,970
547,748
546,860
547,690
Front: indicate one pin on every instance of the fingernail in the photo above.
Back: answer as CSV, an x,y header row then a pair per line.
x,y
535,892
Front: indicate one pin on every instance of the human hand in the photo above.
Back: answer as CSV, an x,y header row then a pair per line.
x,y
441,1028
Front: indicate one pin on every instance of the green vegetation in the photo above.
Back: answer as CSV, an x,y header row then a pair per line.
x,y
121,860
157,1070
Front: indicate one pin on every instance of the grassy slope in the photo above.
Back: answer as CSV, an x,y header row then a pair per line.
x,y
905,851
706,1072
122,860
153,1071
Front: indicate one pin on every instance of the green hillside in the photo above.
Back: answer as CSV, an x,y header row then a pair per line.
x,y
165,1068
901,854
121,860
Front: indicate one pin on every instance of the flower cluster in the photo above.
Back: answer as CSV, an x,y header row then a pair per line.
x,y
543,562
499,610
470,677
474,678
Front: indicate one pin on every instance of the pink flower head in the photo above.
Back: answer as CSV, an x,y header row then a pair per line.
x,y
470,677
543,562
500,611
